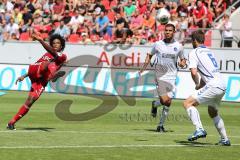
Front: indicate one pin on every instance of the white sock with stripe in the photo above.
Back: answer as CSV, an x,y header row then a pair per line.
x,y
219,124
195,117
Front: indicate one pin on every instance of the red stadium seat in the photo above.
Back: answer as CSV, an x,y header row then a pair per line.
x,y
107,37
44,35
74,38
24,36
208,38
94,37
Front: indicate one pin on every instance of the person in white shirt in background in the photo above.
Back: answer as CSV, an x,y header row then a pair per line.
x,y
210,88
227,33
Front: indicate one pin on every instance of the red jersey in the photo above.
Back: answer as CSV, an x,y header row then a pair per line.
x,y
36,70
47,57
200,12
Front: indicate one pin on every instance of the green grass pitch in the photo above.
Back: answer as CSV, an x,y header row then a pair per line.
x,y
126,133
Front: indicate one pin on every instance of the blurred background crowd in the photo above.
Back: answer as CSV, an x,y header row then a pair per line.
x,y
106,21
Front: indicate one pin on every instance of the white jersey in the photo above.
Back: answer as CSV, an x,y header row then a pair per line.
x,y
166,58
204,60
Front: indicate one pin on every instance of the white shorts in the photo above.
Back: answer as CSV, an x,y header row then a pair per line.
x,y
165,87
210,95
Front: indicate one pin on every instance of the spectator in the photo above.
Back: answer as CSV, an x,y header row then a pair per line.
x,y
17,15
48,6
62,30
100,6
142,6
58,10
183,26
37,20
12,30
174,19
7,5
121,32
148,21
3,28
102,27
182,9
27,17
136,21
85,39
200,15
76,20
120,19
227,34
129,9
30,6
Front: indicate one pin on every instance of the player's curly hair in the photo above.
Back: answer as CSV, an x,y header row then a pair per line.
x,y
57,36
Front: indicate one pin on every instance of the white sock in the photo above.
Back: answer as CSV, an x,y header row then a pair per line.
x,y
218,121
157,103
164,115
194,115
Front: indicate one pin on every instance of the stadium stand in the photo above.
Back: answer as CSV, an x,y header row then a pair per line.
x,y
81,15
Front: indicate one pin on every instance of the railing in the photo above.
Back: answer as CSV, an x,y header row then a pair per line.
x,y
218,41
227,11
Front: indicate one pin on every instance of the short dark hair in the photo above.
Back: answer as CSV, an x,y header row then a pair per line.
x,y
57,36
199,36
170,25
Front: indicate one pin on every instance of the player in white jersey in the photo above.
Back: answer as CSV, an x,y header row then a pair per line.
x,y
210,88
167,52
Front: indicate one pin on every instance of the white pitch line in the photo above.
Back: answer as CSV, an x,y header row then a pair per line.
x,y
111,146
81,132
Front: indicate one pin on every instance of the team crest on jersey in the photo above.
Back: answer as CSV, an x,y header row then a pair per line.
x,y
175,49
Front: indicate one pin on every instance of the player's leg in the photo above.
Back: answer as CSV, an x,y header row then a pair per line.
x,y
190,105
219,124
155,105
165,91
35,92
57,75
166,102
49,70
22,111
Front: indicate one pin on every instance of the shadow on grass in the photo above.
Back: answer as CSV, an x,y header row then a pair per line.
x,y
45,129
154,130
193,144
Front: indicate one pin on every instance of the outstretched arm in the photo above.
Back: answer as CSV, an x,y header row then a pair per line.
x,y
49,48
21,78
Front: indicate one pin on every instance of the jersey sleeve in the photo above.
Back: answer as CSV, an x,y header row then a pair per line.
x,y
192,59
153,50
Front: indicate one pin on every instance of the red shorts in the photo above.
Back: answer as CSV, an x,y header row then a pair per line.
x,y
38,80
34,71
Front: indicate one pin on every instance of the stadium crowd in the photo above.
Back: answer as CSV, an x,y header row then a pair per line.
x,y
104,21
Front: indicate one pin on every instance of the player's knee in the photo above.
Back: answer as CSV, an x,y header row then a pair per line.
x,y
166,102
30,101
212,112
186,104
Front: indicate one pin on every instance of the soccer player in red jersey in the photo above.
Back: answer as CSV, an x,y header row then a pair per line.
x,y
40,73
